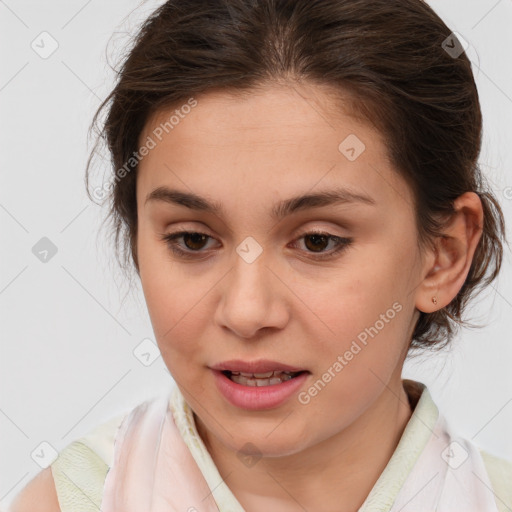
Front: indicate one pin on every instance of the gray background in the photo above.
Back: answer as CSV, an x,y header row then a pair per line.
x,y
67,330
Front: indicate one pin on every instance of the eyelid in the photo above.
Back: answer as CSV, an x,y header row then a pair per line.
x,y
342,243
298,233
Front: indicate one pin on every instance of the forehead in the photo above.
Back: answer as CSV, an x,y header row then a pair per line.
x,y
272,140
291,109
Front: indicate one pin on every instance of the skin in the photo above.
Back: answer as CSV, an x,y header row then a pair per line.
x,y
247,153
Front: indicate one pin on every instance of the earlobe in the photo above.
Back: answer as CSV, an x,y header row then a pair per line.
x,y
450,262
428,287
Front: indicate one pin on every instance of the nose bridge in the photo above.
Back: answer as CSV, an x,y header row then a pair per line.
x,y
249,250
250,267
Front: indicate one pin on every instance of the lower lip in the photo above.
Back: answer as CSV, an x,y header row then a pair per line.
x,y
255,398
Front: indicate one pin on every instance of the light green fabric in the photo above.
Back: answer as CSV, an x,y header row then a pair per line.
x,y
500,474
80,470
414,438
79,475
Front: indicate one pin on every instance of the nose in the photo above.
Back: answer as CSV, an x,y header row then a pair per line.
x,y
253,299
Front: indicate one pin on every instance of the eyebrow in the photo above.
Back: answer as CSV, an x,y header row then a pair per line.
x,y
279,210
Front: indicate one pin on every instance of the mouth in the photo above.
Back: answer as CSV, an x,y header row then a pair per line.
x,y
260,386
271,378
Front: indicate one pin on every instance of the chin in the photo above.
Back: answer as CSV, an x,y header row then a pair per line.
x,y
261,443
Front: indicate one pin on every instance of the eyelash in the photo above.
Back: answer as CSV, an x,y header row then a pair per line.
x,y
170,239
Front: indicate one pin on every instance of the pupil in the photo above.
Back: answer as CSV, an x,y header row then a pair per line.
x,y
196,238
315,239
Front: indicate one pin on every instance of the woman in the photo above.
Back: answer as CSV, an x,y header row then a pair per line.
x,y
296,184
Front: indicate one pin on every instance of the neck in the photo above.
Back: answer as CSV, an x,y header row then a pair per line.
x,y
335,474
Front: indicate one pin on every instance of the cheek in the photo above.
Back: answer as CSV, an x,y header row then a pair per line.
x,y
363,317
173,298
364,291
177,314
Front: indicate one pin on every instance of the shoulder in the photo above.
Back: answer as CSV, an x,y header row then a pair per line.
x,y
39,494
74,481
500,474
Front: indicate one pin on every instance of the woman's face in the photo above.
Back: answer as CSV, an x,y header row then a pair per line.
x,y
261,284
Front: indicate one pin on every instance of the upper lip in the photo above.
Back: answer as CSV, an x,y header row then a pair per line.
x,y
259,366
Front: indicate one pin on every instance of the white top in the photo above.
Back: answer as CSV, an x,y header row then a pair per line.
x,y
98,448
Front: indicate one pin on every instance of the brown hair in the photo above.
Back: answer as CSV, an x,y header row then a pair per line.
x,y
388,56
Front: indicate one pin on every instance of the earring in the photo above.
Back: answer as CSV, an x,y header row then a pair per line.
x,y
434,300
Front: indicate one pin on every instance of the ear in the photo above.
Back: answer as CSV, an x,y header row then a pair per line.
x,y
447,265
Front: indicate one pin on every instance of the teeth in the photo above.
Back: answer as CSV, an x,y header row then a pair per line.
x,y
265,375
260,379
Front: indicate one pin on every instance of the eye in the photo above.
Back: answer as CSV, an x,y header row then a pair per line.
x,y
314,241
193,240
